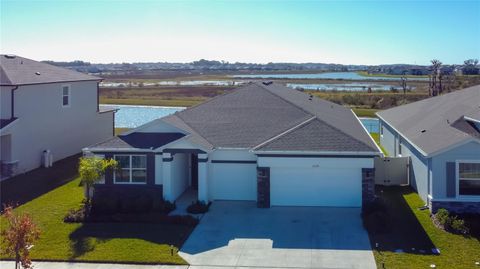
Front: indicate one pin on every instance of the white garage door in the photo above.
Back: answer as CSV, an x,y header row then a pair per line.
x,y
235,181
303,186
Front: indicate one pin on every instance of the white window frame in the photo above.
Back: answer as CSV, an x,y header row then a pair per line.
x,y
130,157
69,95
457,175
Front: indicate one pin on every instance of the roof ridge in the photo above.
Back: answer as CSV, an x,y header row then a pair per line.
x,y
284,133
315,115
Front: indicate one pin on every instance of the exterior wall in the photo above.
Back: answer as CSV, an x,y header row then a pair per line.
x,y
388,138
232,175
419,165
5,102
310,181
469,151
45,124
179,174
158,169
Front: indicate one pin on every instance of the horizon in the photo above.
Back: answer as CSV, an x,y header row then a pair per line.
x,y
249,32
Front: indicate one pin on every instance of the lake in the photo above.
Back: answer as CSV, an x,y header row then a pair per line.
x,y
345,87
133,116
327,75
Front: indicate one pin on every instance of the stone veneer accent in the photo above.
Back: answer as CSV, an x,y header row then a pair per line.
x,y
455,206
368,185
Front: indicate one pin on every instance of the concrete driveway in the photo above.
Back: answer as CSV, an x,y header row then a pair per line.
x,y
237,234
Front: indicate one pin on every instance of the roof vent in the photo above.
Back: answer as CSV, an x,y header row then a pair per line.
x,y
37,73
10,56
423,131
266,83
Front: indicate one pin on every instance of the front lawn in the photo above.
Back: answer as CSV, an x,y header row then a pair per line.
x,y
106,242
411,236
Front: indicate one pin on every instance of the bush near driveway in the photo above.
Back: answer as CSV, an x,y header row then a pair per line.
x,y
106,242
198,207
409,241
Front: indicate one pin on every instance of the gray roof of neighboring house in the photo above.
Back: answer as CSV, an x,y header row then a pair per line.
x,y
441,119
256,113
16,70
138,140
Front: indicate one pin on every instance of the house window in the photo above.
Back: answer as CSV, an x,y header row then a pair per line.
x,y
381,129
469,178
399,148
132,169
65,96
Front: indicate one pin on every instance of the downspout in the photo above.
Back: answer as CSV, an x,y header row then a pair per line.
x,y
12,107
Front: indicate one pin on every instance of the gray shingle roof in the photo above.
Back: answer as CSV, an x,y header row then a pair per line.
x,y
255,113
441,117
22,71
138,140
315,135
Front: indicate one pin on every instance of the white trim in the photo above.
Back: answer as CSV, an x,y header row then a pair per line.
x,y
284,133
461,143
458,199
131,169
471,119
132,150
403,136
457,179
69,87
365,129
333,153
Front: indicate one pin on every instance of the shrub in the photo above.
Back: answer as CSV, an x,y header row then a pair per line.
x,y
75,215
443,217
458,226
198,207
450,223
105,204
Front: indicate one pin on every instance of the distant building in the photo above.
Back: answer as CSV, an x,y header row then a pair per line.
x,y
46,108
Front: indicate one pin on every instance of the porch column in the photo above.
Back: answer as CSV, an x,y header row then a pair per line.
x,y
202,178
167,176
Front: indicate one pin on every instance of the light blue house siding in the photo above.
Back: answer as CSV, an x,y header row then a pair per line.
x,y
469,151
419,165
428,176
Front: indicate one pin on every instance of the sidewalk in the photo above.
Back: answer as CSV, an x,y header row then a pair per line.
x,y
80,265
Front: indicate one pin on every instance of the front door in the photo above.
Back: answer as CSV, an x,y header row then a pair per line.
x,y
194,171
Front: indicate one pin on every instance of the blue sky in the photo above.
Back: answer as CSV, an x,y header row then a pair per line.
x,y
358,32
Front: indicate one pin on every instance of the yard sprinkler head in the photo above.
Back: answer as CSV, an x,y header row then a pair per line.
x,y
477,263
171,250
433,265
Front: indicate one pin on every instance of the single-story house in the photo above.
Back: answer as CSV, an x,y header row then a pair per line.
x,y
441,135
261,142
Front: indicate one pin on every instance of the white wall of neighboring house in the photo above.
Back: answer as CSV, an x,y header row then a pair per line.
x,y
232,181
44,123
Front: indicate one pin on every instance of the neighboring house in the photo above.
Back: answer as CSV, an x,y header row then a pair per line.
x,y
261,142
44,107
441,135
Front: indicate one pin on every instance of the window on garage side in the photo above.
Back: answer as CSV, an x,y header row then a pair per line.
x,y
132,169
469,178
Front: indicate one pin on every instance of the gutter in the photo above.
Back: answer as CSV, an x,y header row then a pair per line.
x,y
12,107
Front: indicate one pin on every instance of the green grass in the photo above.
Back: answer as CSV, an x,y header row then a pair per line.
x,y
106,242
121,130
376,137
365,112
413,228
